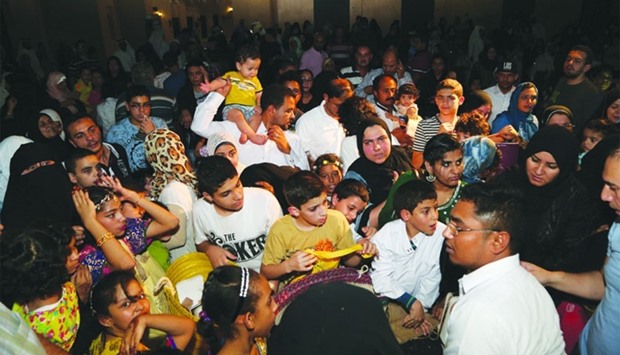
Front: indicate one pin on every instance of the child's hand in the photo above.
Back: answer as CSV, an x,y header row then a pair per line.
x,y
115,184
83,205
133,335
78,234
412,112
265,185
508,133
146,125
83,283
369,231
415,318
219,256
368,247
301,262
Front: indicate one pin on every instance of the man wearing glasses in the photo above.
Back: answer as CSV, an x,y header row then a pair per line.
x,y
501,309
131,131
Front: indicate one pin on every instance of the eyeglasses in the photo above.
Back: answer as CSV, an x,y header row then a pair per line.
x,y
454,230
137,106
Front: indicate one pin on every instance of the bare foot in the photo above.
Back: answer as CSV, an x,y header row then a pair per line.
x,y
259,139
243,138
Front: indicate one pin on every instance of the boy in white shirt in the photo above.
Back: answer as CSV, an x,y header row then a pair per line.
x,y
406,270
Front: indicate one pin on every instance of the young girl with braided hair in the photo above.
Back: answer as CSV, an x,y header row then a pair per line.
x,y
237,308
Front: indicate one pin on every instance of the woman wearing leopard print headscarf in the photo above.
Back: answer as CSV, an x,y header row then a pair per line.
x,y
174,185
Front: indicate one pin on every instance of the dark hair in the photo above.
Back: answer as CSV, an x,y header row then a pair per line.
x,y
74,118
351,187
338,88
586,50
221,304
370,121
602,126
98,193
104,291
212,172
142,73
411,193
118,61
33,263
194,63
377,81
472,123
301,187
246,52
326,159
498,207
439,145
76,155
274,94
170,59
290,75
137,90
353,111
408,89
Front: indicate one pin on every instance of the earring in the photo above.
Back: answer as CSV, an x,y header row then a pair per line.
x,y
430,178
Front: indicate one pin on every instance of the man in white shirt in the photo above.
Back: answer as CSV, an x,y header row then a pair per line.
x,y
501,309
390,65
320,129
356,73
506,75
231,222
278,109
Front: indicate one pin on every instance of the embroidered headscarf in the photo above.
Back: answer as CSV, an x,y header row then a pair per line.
x,y
166,154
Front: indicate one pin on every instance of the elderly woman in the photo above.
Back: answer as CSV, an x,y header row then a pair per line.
x,y
379,164
174,185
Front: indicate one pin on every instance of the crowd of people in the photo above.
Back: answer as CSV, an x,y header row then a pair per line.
x,y
352,191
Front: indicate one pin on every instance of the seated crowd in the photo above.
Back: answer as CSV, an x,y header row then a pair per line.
x,y
315,186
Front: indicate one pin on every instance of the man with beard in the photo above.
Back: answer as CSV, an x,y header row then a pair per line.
x,y
390,65
506,75
320,129
575,90
131,131
82,132
278,110
231,222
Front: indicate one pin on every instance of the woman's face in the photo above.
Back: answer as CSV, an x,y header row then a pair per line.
x,y
73,260
331,177
613,112
111,217
306,81
527,100
541,168
447,170
229,152
114,67
48,128
376,144
560,119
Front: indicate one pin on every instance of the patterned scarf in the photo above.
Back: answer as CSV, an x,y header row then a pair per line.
x,y
166,154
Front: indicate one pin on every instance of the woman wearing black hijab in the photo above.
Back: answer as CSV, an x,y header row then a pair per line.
x,y
47,128
379,164
39,190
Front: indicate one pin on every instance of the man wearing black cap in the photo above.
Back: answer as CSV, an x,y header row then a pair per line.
x,y
506,75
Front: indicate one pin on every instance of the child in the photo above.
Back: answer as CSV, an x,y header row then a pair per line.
x,y
84,168
351,198
243,100
448,98
594,132
84,85
328,167
120,305
237,308
38,286
407,269
310,223
407,108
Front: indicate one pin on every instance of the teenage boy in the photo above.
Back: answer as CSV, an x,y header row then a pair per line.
x,y
309,223
448,97
351,198
131,131
83,168
231,221
407,269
